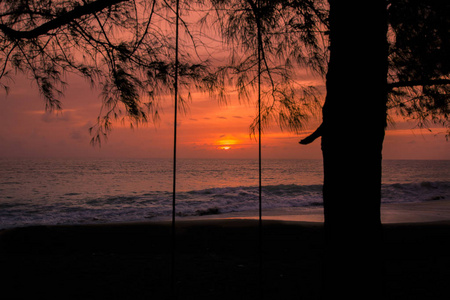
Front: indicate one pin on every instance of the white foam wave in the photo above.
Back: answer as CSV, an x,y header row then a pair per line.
x,y
415,192
157,205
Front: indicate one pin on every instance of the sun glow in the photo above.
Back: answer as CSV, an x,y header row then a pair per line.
x,y
226,144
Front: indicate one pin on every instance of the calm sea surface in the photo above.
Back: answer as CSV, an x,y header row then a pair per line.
x,y
97,191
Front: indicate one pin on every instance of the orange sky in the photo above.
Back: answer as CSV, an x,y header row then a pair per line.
x,y
208,130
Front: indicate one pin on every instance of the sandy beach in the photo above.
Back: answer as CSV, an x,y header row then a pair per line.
x,y
430,211
218,258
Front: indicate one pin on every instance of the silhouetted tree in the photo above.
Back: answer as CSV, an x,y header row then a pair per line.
x,y
356,101
419,68
124,46
292,38
354,120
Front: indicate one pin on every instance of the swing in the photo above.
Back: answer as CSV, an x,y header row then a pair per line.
x,y
173,223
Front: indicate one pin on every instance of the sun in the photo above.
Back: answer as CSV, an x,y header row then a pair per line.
x,y
226,144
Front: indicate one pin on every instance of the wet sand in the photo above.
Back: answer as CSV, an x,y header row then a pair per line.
x,y
430,211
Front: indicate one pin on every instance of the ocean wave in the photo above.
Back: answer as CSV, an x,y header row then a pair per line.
x,y
212,201
415,191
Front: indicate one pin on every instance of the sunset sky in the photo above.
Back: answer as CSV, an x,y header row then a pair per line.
x,y
208,130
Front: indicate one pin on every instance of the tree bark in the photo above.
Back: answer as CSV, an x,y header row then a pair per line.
x,y
354,120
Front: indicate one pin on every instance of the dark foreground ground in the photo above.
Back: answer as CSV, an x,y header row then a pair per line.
x,y
215,259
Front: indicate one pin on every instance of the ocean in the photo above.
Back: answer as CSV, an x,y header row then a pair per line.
x,y
86,191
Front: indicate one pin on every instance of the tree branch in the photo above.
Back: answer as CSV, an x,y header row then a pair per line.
x,y
412,83
59,21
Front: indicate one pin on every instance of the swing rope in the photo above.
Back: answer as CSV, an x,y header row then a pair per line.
x,y
260,236
259,45
175,147
259,118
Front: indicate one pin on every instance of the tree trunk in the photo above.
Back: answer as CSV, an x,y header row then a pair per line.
x,y
354,120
